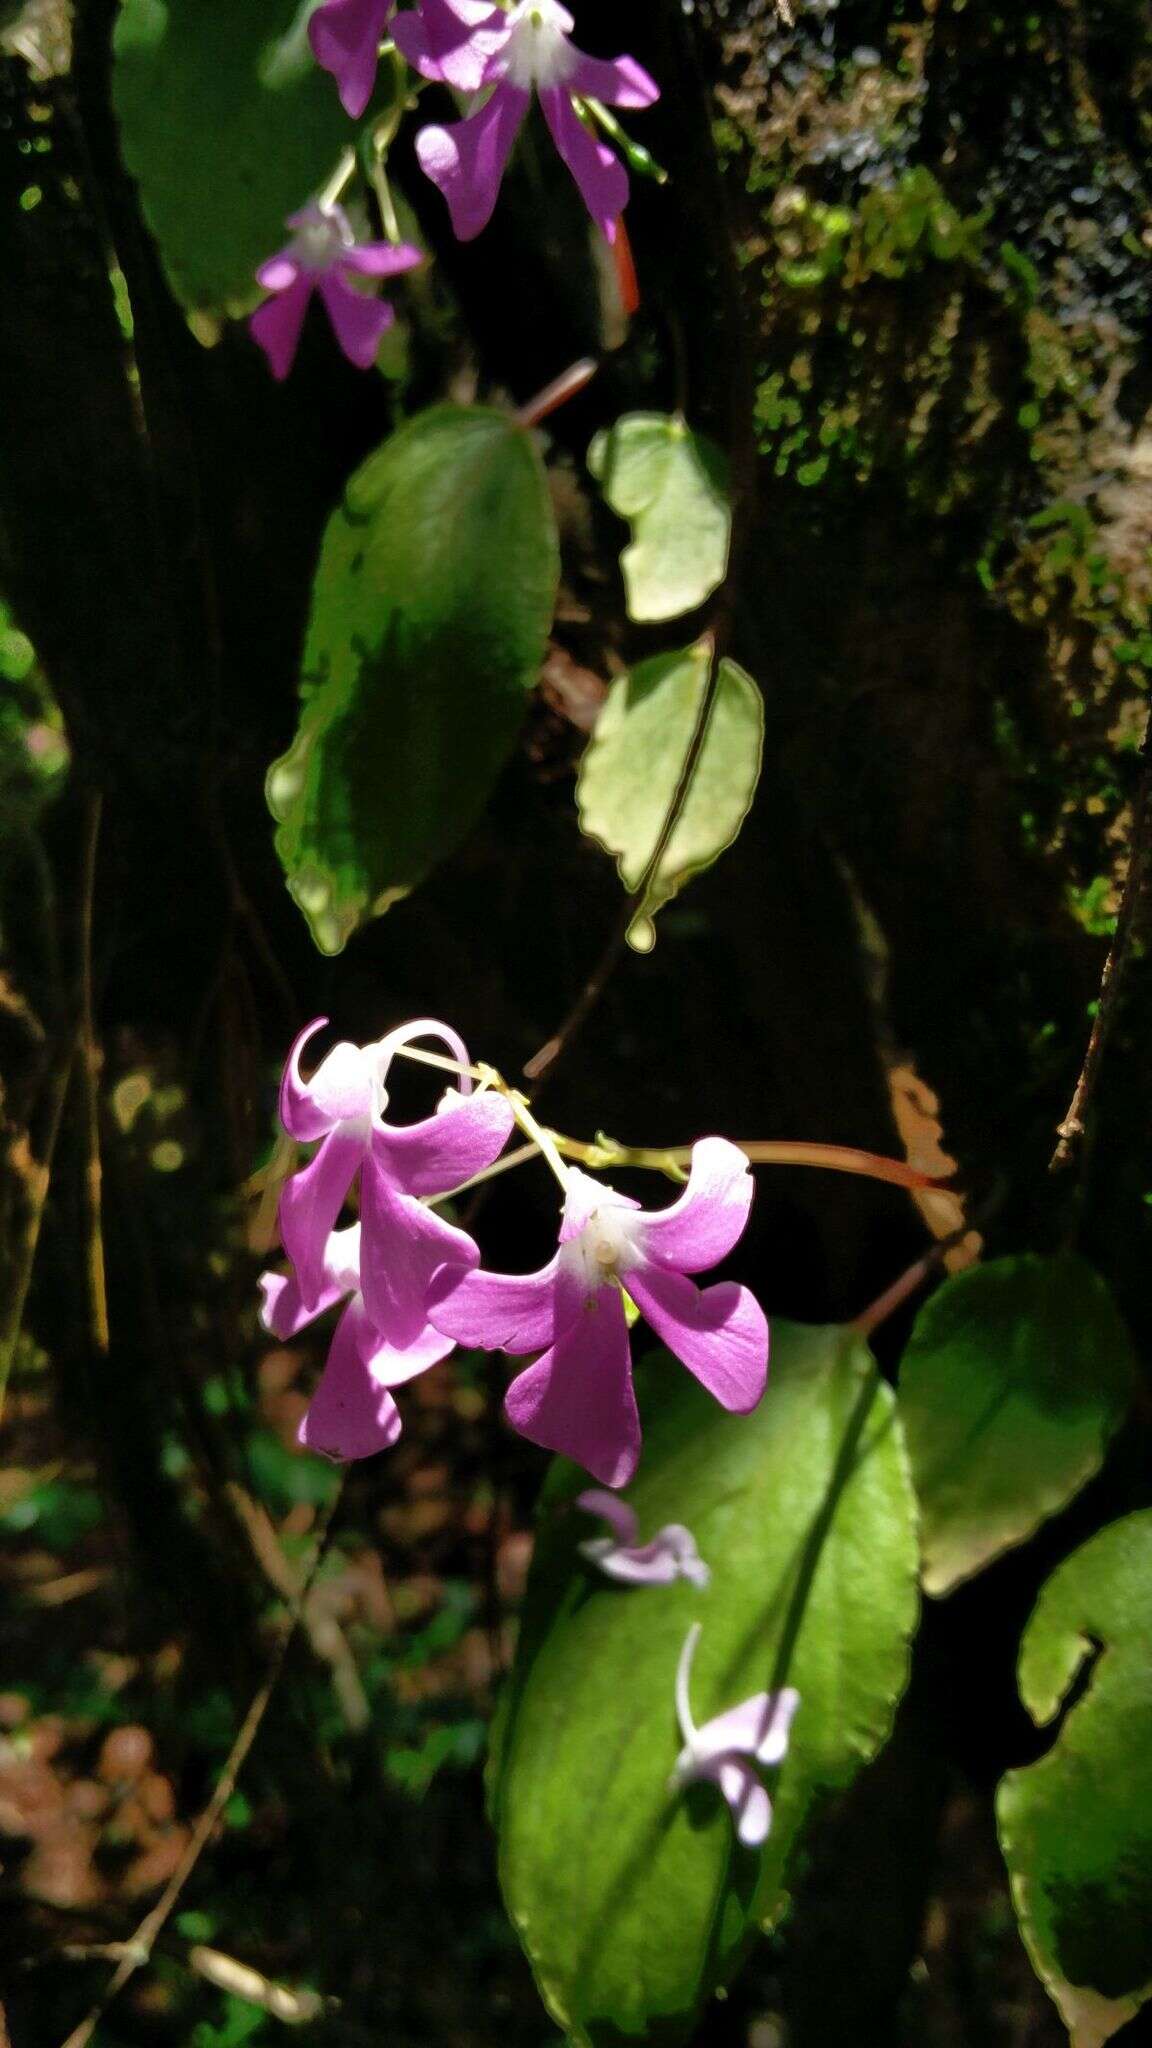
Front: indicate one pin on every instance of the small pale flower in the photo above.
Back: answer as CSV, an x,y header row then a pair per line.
x,y
346,36
577,1398
670,1554
324,256
725,1749
523,50
405,1243
352,1413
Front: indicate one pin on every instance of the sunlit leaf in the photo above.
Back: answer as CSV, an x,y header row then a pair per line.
x,y
633,767
634,1905
671,486
1076,1828
430,613
227,126
1016,1376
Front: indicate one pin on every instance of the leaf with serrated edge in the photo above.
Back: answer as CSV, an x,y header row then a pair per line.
x,y
632,767
671,486
1076,1828
430,613
633,1904
1015,1377
227,126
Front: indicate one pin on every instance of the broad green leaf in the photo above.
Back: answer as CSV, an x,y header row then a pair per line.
x,y
1016,1376
1076,1828
430,614
671,486
227,126
633,766
634,1905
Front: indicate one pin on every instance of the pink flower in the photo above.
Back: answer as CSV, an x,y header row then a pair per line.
x,y
321,257
724,1750
469,45
578,1397
352,1413
670,1554
346,36
405,1244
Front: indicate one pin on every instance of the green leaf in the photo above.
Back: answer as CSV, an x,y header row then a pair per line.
x,y
635,1905
1076,1828
672,487
633,766
1016,1376
228,126
430,614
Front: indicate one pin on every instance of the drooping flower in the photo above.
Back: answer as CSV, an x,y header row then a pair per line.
x,y
577,1398
322,257
524,50
346,36
670,1554
352,1413
724,1750
405,1244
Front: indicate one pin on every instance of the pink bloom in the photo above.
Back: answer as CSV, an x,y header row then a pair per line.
x,y
346,36
670,1554
468,45
321,257
578,1397
724,1750
352,1413
406,1244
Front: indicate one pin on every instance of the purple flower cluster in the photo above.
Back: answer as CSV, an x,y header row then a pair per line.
x,y
497,59
411,1285
408,1285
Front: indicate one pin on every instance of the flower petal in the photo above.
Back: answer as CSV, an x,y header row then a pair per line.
x,y
340,1089
350,1415
311,1201
649,1565
622,83
279,272
584,1196
720,1333
513,1312
578,1398
750,1804
277,323
760,1727
405,1245
701,1227
620,1518
283,1310
452,40
467,161
467,1134
600,175
359,323
345,36
380,259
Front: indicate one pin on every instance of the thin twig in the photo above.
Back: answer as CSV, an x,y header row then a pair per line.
x,y
921,1270
138,1950
1071,1130
95,1270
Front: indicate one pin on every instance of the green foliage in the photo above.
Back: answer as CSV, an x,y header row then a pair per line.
x,y
1076,1828
227,127
672,487
1014,1379
633,767
633,1904
430,612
